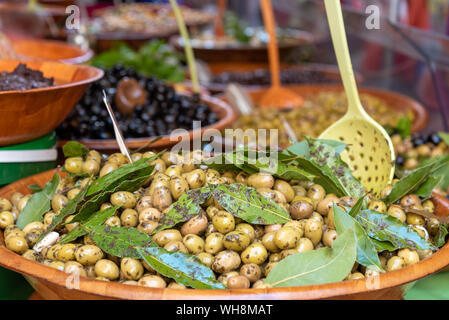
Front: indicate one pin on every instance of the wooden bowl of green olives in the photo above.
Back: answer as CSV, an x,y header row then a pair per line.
x,y
241,254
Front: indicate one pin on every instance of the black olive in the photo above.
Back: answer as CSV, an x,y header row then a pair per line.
x,y
400,160
418,140
434,138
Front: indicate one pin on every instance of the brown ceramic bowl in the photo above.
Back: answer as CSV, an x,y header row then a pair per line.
x,y
50,283
225,113
50,50
246,53
392,99
30,114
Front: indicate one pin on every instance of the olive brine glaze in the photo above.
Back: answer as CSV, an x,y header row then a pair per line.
x,y
163,111
240,254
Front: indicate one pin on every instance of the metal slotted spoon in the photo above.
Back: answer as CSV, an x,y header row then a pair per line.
x,y
369,152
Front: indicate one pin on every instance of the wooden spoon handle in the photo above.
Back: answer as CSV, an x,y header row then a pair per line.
x,y
218,23
273,51
337,29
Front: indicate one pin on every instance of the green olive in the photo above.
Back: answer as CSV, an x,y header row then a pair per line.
x,y
226,261
193,243
301,209
223,221
143,203
196,178
223,278
58,202
91,167
268,242
285,188
378,206
147,226
124,199
287,237
395,263
251,271
178,186
23,202
165,236
159,165
131,268
214,243
410,200
6,219
313,230
94,155
118,158
67,252
242,178
397,212
74,267
206,258
324,205
15,198
88,254
129,218
113,221
161,198
269,267
149,214
329,236
152,281
238,282
409,256
108,168
304,245
74,165
247,229
316,193
261,180
236,240
31,255
415,219
107,269
196,225
255,253
17,244
175,246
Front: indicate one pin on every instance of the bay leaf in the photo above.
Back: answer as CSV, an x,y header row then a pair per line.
x,y
74,149
383,245
440,237
68,210
125,172
326,153
425,189
444,136
187,206
416,178
184,268
96,219
324,265
128,183
35,188
384,227
119,241
246,203
354,211
39,203
366,251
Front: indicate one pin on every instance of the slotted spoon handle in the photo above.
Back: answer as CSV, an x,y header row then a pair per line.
x,y
337,29
273,51
218,25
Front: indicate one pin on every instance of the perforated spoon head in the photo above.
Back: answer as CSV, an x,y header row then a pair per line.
x,y
369,152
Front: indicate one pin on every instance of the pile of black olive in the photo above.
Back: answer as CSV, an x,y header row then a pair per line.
x,y
262,77
163,111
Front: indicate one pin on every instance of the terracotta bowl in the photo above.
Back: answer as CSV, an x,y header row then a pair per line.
x,y
50,50
392,99
329,71
29,114
246,53
51,283
225,113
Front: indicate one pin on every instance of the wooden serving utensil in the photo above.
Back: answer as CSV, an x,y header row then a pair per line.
x,y
218,22
276,96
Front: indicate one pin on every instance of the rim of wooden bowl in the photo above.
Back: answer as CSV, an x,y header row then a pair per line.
x,y
116,290
81,55
94,75
220,107
403,102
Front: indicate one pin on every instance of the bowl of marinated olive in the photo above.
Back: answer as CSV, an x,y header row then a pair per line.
x,y
325,104
38,96
167,227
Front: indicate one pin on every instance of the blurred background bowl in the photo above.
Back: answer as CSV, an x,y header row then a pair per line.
x,y
30,114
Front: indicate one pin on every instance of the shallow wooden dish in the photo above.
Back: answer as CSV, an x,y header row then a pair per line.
x,y
329,71
393,99
246,53
226,115
50,50
51,283
30,114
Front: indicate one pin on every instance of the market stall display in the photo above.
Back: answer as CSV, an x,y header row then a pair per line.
x,y
235,248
